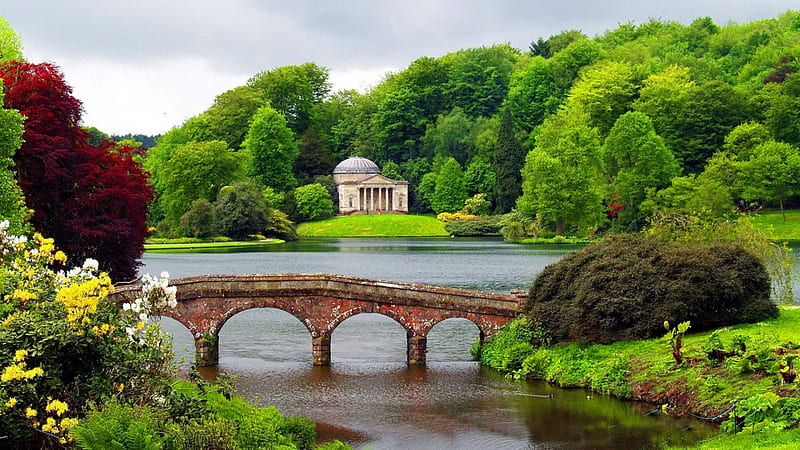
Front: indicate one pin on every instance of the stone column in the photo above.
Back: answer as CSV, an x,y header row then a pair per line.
x,y
391,199
206,350
321,350
417,349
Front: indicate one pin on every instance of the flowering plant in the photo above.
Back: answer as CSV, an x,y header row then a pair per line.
x,y
64,345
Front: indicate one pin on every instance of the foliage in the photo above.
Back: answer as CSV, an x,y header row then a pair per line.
x,y
280,226
509,158
771,173
458,215
192,171
293,91
119,426
478,226
12,203
241,210
765,412
313,158
200,220
675,338
478,205
449,192
63,344
625,286
92,199
776,258
10,44
560,179
272,147
636,160
313,201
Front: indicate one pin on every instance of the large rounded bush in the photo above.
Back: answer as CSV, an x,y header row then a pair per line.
x,y
625,286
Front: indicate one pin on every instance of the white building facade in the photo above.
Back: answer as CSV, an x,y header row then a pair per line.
x,y
363,190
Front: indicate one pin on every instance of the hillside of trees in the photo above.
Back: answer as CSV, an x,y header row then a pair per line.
x,y
575,133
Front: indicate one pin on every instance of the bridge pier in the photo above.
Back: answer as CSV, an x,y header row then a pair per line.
x,y
417,350
321,350
206,350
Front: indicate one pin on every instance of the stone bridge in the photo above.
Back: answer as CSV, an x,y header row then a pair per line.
x,y
322,301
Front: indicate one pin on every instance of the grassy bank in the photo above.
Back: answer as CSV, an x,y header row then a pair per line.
x,y
200,245
776,229
703,385
378,225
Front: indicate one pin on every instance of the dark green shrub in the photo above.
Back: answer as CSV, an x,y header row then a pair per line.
x,y
479,226
625,286
200,220
301,430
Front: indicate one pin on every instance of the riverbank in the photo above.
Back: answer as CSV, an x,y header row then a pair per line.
x,y
200,244
743,365
374,225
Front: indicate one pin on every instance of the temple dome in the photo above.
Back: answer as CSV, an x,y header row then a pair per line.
x,y
356,164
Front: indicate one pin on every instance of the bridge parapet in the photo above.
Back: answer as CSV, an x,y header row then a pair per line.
x,y
322,301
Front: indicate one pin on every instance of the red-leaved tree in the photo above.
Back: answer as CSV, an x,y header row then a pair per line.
x,y
91,199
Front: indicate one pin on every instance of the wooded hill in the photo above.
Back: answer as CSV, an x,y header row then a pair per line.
x,y
581,133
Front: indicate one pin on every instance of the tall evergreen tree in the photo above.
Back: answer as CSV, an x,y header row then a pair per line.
x,y
509,158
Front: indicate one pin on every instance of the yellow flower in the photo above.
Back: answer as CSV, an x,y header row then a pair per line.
x,y
12,372
11,402
23,295
20,355
60,257
68,422
120,387
36,371
50,426
30,412
9,320
57,407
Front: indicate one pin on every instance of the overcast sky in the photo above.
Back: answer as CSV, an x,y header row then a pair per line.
x,y
144,66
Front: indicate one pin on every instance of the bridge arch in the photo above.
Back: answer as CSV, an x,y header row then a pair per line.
x,y
322,301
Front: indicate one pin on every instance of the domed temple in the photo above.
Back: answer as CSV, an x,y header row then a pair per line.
x,y
363,190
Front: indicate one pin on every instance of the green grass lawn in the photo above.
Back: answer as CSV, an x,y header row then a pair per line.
x,y
778,230
182,246
381,225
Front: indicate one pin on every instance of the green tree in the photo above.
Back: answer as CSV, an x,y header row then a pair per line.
x,y
450,191
193,171
391,170
200,220
12,203
313,201
479,77
533,94
293,91
636,160
741,141
272,148
605,91
400,124
509,158
560,180
242,210
230,115
772,173
313,157
450,136
480,178
10,44
693,195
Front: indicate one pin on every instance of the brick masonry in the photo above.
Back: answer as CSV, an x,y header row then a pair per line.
x,y
323,301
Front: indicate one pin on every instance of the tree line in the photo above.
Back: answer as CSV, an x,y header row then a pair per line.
x,y
576,135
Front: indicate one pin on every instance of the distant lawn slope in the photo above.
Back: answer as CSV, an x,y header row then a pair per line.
x,y
772,223
383,225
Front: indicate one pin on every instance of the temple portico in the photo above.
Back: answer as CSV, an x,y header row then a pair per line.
x,y
363,190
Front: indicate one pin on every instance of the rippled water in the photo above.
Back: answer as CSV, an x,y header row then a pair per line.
x,y
369,397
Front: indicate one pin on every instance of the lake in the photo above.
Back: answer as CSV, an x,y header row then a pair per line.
x,y
369,397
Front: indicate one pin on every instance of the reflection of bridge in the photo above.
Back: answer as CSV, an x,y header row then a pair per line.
x,y
322,302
